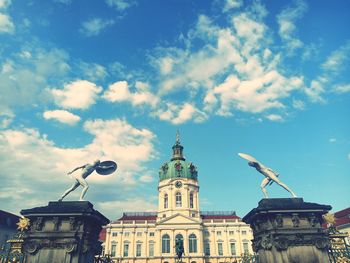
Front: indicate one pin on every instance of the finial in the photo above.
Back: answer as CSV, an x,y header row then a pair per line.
x,y
177,136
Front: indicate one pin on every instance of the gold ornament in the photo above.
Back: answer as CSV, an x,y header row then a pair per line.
x,y
329,218
23,224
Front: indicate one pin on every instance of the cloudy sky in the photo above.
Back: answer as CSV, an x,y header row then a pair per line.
x,y
115,79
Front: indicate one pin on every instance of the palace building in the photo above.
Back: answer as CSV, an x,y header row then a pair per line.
x,y
207,237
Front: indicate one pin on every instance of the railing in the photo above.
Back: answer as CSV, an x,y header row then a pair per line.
x,y
218,213
139,213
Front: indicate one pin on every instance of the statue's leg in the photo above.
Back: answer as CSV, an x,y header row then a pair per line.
x,y
263,185
286,187
85,186
72,188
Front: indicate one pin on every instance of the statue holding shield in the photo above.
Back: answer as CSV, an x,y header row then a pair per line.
x,y
104,168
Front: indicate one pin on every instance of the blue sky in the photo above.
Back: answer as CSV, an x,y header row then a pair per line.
x,y
115,79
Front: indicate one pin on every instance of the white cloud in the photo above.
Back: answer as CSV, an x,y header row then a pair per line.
x,y
287,28
274,117
316,89
23,80
121,5
93,71
61,116
80,94
6,24
178,114
5,3
95,26
335,61
120,92
341,88
66,2
45,174
232,4
6,117
234,69
298,104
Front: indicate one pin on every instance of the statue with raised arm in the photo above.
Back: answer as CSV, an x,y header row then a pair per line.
x,y
87,169
270,175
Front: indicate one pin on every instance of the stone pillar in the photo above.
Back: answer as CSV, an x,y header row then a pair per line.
x,y
289,230
63,232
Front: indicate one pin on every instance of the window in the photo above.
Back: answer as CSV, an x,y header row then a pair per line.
x,y
178,200
113,249
138,250
191,200
245,247
218,233
151,249
165,201
166,244
126,250
193,215
151,234
231,233
206,233
193,262
220,252
207,248
126,234
114,234
244,232
233,249
192,244
139,234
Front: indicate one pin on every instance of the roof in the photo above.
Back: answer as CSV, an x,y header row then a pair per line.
x,y
342,221
8,220
102,236
343,213
153,215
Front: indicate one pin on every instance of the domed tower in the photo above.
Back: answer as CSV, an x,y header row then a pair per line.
x,y
178,185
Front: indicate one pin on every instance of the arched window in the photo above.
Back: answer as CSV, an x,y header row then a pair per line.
x,y
165,201
178,199
191,200
192,244
166,244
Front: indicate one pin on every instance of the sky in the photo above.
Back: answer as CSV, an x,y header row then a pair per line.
x,y
115,79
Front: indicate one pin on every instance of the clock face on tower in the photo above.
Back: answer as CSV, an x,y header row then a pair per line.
x,y
178,184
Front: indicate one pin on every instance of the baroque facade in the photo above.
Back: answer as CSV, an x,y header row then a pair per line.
x,y
207,237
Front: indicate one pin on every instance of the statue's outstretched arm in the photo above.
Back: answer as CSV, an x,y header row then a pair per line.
x,y
80,167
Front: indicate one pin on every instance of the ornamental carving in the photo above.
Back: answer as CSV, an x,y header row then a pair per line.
x,y
56,222
193,168
279,220
281,243
313,220
164,168
295,220
38,223
31,247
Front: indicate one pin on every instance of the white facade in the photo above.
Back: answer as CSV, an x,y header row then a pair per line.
x,y
150,237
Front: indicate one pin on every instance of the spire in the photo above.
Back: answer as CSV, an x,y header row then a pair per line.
x,y
177,137
178,149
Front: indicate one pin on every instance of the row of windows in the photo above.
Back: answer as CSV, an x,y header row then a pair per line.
x,y
231,232
191,249
220,248
178,200
139,234
138,249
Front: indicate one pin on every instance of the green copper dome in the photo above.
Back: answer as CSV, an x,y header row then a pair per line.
x,y
178,167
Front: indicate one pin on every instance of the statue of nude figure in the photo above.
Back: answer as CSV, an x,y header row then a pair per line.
x,y
87,169
270,175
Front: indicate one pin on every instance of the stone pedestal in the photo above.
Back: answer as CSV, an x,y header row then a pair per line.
x,y
63,232
288,230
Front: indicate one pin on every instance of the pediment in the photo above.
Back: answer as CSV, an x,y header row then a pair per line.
x,y
178,219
